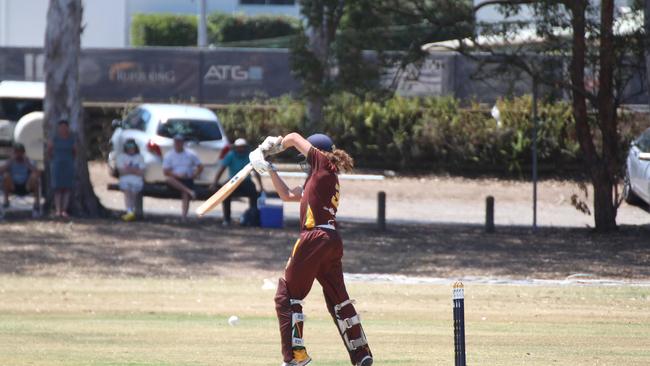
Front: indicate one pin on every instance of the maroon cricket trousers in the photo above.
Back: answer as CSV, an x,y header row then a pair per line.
x,y
316,255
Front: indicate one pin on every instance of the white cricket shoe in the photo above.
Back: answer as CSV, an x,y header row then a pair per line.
x,y
296,363
367,361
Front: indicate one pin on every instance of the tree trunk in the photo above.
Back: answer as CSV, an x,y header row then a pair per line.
x,y
605,214
315,104
604,207
646,25
598,168
318,45
62,99
323,18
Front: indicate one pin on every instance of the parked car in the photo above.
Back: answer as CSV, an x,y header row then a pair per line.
x,y
17,98
636,187
153,127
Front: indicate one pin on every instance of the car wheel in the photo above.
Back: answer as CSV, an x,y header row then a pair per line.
x,y
628,194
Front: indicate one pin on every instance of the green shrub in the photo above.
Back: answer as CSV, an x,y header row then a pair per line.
x,y
431,134
255,120
181,30
163,30
227,28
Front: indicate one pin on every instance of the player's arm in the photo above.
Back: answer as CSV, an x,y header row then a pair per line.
x,y
217,177
286,194
297,141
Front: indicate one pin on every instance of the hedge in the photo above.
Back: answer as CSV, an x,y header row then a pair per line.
x,y
430,134
163,30
181,30
226,28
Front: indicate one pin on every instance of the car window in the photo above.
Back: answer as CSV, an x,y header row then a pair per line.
x,y
643,142
13,109
137,119
195,130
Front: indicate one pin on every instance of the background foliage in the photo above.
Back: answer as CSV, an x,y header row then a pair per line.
x,y
163,30
227,29
435,133
413,134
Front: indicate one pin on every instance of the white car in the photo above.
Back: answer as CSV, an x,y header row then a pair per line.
x,y
153,127
636,187
17,99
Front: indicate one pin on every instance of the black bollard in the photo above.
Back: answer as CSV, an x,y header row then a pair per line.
x,y
489,214
381,210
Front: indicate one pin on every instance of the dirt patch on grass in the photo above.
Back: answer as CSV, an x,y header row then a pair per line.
x,y
167,247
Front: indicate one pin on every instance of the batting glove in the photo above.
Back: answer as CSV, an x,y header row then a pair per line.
x,y
259,164
272,145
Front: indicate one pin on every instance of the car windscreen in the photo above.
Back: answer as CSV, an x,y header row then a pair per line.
x,y
191,129
13,109
643,142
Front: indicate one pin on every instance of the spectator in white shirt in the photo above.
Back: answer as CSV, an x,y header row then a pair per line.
x,y
181,167
131,166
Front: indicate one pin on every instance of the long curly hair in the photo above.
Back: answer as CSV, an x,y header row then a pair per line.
x,y
343,162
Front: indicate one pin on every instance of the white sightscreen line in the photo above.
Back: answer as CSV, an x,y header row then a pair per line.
x,y
341,176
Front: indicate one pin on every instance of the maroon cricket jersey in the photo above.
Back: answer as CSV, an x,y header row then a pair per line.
x,y
320,196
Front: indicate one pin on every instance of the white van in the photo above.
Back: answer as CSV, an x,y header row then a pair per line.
x,y
153,126
17,98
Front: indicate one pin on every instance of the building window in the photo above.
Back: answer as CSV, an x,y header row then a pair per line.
x,y
267,2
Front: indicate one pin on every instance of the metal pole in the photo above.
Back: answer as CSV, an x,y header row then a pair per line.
x,y
203,29
489,214
535,127
381,210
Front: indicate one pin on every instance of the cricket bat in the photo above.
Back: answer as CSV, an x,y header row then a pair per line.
x,y
225,191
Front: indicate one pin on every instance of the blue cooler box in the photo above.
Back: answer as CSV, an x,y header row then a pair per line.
x,y
271,216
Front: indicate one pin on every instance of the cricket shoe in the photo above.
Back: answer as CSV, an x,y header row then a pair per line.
x,y
367,361
300,358
128,217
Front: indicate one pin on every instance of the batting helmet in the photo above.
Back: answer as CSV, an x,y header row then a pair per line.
x,y
321,142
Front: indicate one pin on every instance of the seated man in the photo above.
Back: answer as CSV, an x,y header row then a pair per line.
x,y
235,160
181,167
20,177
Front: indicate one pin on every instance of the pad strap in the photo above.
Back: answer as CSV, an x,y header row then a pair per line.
x,y
351,322
340,306
359,342
297,318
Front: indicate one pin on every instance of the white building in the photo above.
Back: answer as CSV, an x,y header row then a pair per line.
x,y
490,14
107,22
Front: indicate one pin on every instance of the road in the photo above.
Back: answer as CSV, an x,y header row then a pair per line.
x,y
429,199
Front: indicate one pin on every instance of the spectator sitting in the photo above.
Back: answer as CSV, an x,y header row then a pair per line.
x,y
181,167
20,177
235,160
131,166
62,151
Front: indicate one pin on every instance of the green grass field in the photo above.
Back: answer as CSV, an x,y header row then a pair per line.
x,y
140,321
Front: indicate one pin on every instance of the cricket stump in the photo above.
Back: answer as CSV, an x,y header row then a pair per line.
x,y
459,324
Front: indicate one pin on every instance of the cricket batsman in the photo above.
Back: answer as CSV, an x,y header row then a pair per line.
x,y
318,251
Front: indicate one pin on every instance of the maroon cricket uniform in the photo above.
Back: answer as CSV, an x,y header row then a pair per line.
x,y
317,255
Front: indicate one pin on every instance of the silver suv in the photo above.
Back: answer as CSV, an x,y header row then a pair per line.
x,y
153,127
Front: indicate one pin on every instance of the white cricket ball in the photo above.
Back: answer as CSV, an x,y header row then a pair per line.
x,y
233,320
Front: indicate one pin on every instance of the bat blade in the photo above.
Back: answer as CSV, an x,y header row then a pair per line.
x,y
225,191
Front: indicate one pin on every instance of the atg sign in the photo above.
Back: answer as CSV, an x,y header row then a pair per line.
x,y
218,74
166,74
